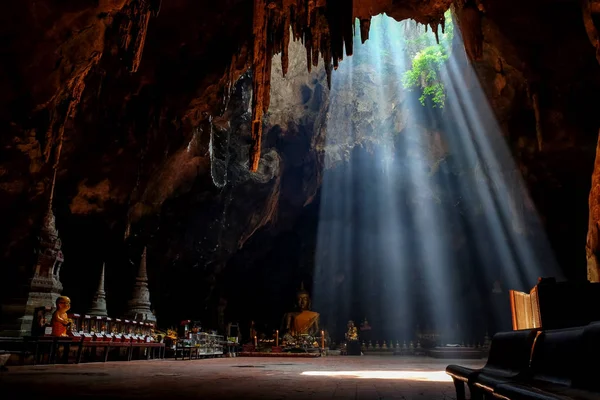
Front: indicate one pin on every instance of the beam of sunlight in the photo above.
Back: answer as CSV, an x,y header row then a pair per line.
x,y
422,376
501,189
425,221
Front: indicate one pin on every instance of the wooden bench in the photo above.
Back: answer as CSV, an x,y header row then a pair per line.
x,y
565,364
508,358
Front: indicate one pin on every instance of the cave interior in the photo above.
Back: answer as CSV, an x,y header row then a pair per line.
x,y
199,133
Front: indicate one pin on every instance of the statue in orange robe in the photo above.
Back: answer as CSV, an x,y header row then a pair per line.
x,y
305,321
60,321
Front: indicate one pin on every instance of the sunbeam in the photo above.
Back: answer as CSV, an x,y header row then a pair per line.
x,y
423,209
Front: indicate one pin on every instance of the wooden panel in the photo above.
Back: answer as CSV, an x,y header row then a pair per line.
x,y
521,309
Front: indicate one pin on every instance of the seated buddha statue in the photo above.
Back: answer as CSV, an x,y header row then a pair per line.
x,y
304,321
352,333
61,323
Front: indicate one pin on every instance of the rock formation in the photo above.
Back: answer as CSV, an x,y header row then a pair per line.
x,y
592,247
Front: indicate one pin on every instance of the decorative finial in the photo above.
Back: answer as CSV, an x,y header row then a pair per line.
x,y
51,197
143,274
101,283
302,291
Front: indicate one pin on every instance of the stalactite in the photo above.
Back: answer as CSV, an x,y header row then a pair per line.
x,y
443,24
285,44
435,24
324,27
434,28
133,28
260,60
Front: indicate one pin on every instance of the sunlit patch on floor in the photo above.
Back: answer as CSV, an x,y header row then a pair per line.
x,y
425,376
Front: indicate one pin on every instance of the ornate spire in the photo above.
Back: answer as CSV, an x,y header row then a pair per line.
x,y
43,286
99,302
143,274
138,307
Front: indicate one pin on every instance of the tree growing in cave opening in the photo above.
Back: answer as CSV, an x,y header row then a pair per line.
x,y
427,59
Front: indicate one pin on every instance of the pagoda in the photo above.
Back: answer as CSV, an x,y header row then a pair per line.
x,y
98,307
138,308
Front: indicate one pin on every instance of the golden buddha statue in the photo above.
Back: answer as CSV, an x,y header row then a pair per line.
x,y
60,321
305,321
352,333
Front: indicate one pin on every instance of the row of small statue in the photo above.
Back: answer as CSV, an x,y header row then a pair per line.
x,y
411,346
384,346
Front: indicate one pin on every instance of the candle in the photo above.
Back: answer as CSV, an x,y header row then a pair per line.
x,y
255,342
322,339
277,338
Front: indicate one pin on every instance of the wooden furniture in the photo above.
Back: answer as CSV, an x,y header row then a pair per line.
x,y
556,364
509,355
555,305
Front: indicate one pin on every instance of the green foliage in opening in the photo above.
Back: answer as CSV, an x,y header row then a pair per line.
x,y
428,57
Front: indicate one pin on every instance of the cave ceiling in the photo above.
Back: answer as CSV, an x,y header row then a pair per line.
x,y
148,74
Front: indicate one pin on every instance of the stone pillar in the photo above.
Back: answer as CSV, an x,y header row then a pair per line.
x,y
138,308
99,303
42,289
592,246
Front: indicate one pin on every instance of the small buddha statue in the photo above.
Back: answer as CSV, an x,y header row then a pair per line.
x,y
305,321
352,333
61,323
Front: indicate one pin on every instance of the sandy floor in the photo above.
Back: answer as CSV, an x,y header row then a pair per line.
x,y
366,377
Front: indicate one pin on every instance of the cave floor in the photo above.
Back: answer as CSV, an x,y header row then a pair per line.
x,y
237,378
